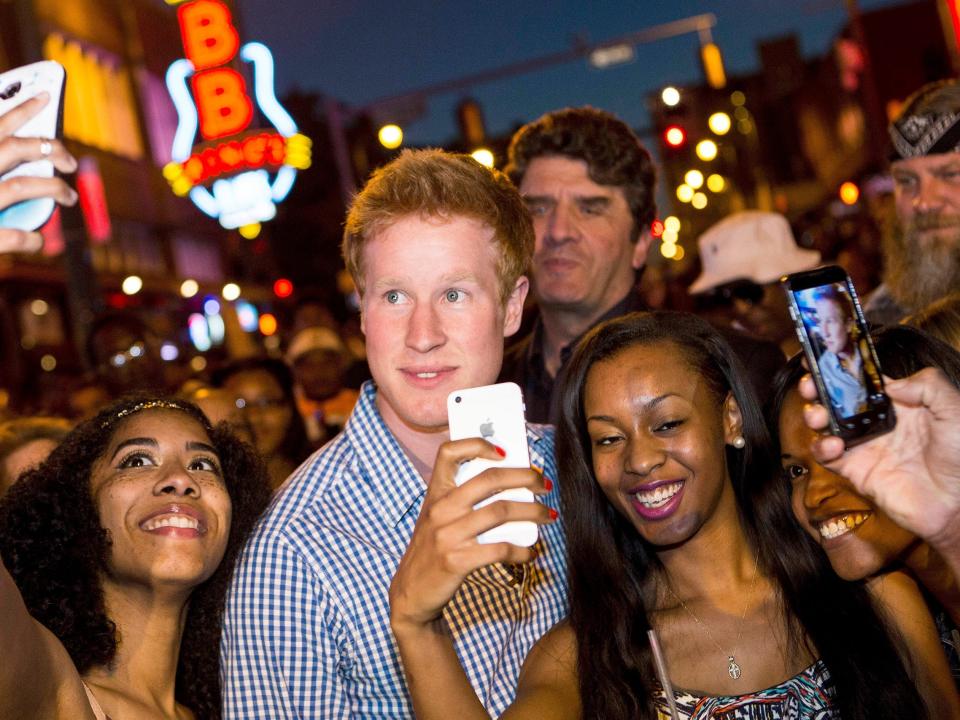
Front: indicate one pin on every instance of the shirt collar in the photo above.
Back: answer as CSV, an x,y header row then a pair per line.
x,y
380,458
631,302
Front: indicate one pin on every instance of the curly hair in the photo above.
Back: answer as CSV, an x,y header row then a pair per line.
x,y
54,546
613,154
614,572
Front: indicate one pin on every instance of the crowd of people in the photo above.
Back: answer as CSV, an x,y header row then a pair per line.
x,y
284,537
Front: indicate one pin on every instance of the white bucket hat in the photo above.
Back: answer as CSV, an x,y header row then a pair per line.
x,y
314,338
750,245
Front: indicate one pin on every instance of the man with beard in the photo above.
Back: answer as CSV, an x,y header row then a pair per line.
x,y
922,244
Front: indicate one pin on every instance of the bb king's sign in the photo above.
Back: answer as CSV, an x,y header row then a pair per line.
x,y
231,171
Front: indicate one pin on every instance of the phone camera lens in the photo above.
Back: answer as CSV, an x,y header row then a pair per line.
x,y
10,90
457,399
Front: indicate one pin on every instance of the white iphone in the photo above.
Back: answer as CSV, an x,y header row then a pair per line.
x,y
16,87
495,413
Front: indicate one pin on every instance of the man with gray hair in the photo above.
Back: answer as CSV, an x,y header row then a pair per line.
x,y
922,245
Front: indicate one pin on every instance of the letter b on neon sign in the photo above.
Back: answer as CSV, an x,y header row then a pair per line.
x,y
222,102
209,37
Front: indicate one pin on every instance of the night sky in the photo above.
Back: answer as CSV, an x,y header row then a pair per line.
x,y
362,50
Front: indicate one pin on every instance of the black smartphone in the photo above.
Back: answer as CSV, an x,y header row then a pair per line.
x,y
843,362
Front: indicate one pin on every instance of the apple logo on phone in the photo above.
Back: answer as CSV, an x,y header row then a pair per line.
x,y
486,430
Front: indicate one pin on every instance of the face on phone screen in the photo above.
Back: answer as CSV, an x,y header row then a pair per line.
x,y
839,344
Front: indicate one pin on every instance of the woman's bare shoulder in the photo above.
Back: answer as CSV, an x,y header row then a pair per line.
x,y
548,685
559,644
58,683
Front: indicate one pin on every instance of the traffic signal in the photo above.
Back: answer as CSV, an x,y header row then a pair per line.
x,y
713,66
675,136
470,119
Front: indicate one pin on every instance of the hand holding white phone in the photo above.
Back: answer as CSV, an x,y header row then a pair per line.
x,y
18,86
495,413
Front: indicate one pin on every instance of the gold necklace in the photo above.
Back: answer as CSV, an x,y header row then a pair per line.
x,y
733,669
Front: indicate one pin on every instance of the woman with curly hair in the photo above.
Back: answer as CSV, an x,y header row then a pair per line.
x,y
116,555
667,481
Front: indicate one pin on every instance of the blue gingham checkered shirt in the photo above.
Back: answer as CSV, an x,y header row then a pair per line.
x,y
306,631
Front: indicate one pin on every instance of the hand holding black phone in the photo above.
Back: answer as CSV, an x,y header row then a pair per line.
x,y
833,332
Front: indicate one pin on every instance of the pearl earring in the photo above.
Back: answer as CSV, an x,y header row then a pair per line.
x,y
739,442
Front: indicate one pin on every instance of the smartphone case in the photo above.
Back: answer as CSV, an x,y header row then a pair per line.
x,y
16,87
495,413
879,417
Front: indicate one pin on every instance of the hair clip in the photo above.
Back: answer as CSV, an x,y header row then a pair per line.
x,y
147,405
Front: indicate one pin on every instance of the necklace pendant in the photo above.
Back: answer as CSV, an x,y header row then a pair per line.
x,y
732,668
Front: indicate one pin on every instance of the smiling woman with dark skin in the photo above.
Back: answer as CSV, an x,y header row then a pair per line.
x,y
116,553
861,541
667,483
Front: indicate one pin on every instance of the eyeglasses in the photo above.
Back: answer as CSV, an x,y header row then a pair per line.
x,y
119,359
743,290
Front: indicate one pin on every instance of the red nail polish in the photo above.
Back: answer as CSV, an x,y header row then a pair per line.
x,y
554,514
547,484
500,451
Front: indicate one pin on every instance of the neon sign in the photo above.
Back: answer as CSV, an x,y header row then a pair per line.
x,y
235,174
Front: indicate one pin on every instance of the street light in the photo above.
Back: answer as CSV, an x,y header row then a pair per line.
x,y
699,201
483,156
670,96
706,150
719,123
694,178
604,57
131,285
716,183
390,136
684,193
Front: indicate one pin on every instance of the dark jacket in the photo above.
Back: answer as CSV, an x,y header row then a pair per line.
x,y
523,363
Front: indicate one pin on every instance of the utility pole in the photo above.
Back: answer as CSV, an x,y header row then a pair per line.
x,y
338,114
